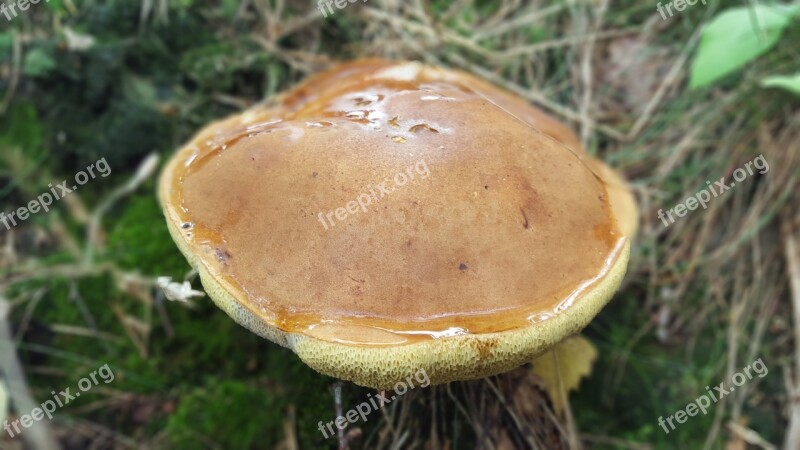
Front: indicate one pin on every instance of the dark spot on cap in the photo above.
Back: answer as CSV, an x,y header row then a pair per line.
x,y
462,266
223,255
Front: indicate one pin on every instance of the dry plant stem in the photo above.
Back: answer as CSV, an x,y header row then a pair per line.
x,y
289,426
468,44
445,36
241,10
63,236
531,95
455,7
505,9
564,42
780,185
9,254
273,17
681,150
514,416
390,423
72,330
236,102
587,124
525,20
753,288
16,64
136,330
738,317
145,170
571,431
290,58
763,311
160,12
399,420
422,10
675,74
750,436
337,402
39,436
792,254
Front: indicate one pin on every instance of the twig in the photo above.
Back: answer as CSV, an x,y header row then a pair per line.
x,y
144,171
38,436
750,436
80,331
337,403
289,426
792,254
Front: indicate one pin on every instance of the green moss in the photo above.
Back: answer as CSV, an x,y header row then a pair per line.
x,y
229,414
139,240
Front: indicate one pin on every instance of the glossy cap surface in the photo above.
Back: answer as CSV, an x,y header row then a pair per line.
x,y
385,205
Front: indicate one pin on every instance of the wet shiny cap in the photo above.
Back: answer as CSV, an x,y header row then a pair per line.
x,y
392,211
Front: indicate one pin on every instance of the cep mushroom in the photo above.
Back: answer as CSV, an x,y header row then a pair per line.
x,y
514,241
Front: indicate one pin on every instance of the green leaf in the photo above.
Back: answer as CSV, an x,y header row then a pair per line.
x,y
38,62
735,37
789,82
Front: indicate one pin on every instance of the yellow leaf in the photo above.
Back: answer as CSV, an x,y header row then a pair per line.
x,y
562,368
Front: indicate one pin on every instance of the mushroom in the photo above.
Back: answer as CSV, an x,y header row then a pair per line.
x,y
387,217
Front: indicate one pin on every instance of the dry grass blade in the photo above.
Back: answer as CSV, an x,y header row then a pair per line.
x,y
40,435
791,231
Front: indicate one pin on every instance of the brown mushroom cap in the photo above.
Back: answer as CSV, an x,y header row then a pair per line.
x,y
500,238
